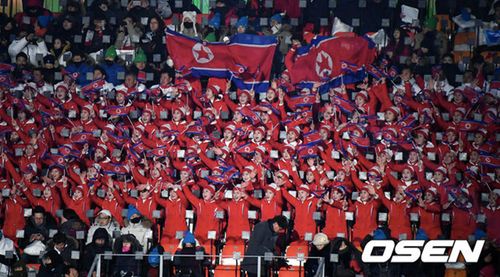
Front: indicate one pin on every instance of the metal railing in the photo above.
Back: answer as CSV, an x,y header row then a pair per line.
x,y
169,258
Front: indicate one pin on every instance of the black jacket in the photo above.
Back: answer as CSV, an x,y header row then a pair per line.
x,y
262,240
92,249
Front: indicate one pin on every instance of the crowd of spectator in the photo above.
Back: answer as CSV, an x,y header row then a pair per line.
x,y
105,147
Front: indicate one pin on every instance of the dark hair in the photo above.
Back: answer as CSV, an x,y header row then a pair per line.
x,y
59,238
100,69
69,214
281,220
38,210
22,54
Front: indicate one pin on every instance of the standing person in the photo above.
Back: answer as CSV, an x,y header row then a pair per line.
x,y
262,240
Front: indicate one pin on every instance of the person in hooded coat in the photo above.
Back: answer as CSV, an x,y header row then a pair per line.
x,y
126,265
52,265
101,242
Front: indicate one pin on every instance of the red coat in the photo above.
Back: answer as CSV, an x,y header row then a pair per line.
x,y
205,216
144,206
430,220
492,223
304,210
13,213
237,221
115,206
80,206
268,209
335,222
463,223
399,222
175,212
366,215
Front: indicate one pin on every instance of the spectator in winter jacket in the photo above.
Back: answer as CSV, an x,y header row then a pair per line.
x,y
262,240
6,246
79,64
64,245
100,242
321,247
29,44
111,66
188,266
138,226
126,244
52,265
38,227
104,220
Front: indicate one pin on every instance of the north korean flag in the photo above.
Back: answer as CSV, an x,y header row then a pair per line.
x,y
321,61
246,59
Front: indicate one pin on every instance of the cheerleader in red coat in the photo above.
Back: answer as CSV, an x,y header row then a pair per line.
x,y
492,213
271,205
365,210
145,203
429,212
463,215
304,205
175,211
112,201
335,205
79,202
399,208
49,199
237,213
206,209
13,208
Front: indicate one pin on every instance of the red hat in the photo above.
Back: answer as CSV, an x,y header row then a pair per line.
x,y
211,188
326,127
374,171
443,170
304,188
62,86
230,127
80,188
295,130
410,168
272,187
244,91
482,131
423,131
180,109
340,189
284,172
432,190
363,94
248,169
260,129
395,110
102,147
451,129
214,88
460,110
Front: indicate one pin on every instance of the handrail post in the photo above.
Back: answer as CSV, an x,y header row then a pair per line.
x,y
161,266
98,273
259,266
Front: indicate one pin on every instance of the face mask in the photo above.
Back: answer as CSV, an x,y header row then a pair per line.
x,y
77,63
125,248
188,25
135,220
108,62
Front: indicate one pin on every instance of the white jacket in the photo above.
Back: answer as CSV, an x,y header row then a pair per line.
x,y
31,50
141,233
6,245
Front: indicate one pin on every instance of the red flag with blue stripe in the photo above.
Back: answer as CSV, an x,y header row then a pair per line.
x,y
321,61
246,59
